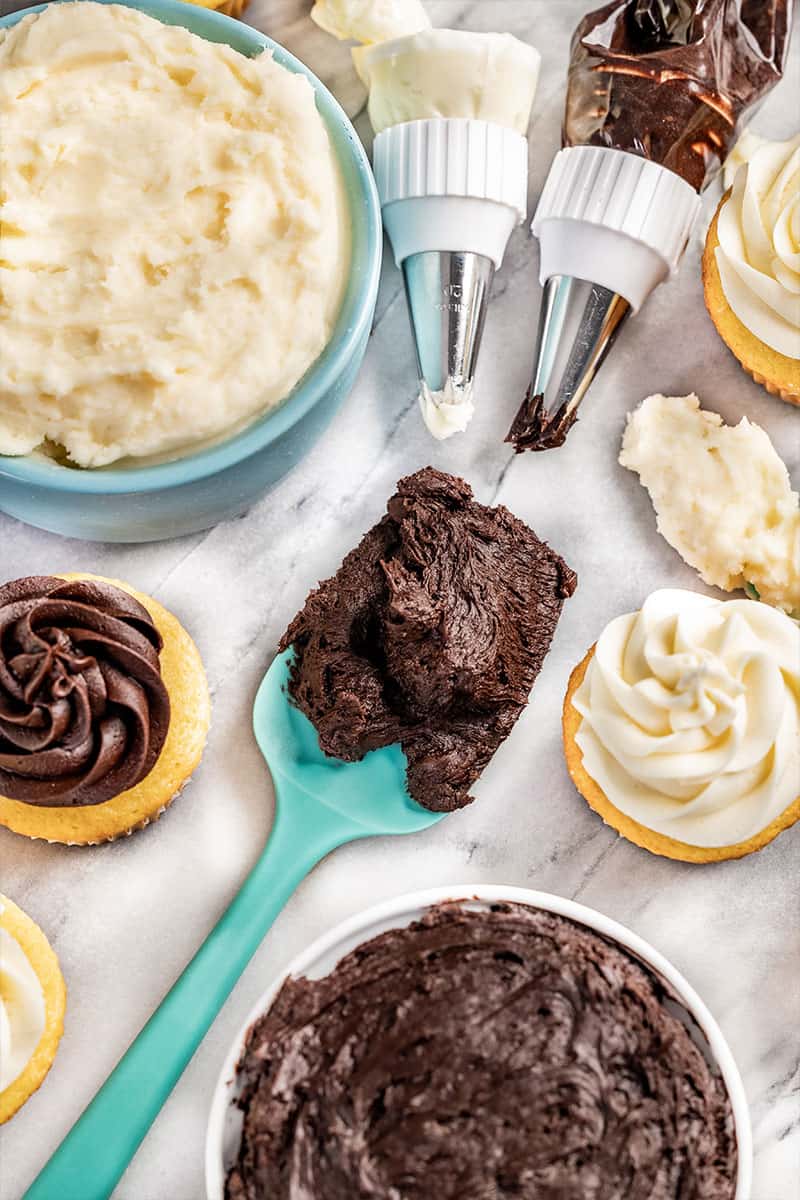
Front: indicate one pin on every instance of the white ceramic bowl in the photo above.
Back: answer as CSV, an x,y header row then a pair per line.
x,y
224,1124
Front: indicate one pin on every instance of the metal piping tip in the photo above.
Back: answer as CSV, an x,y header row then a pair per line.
x,y
578,324
448,295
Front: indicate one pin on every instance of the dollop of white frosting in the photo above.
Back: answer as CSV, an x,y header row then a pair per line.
x,y
448,411
722,495
370,20
691,716
759,246
22,1009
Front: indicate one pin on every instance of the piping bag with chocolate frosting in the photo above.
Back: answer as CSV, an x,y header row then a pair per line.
x,y
656,90
450,110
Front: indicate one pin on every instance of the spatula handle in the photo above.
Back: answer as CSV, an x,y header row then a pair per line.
x,y
90,1161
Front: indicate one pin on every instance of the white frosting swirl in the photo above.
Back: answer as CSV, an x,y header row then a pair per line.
x,y
691,716
742,152
759,246
22,1009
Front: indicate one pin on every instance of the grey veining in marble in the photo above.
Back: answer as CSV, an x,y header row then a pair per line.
x,y
124,919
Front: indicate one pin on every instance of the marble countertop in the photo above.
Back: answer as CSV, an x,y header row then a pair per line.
x,y
125,918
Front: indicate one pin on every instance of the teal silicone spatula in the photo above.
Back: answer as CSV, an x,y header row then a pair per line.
x,y
320,803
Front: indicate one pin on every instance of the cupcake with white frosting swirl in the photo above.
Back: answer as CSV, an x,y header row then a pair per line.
x,y
751,267
682,725
32,1003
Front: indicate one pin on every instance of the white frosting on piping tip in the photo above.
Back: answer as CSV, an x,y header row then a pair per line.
x,y
448,411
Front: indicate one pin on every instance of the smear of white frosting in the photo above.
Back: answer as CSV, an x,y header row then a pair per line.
x,y
759,246
22,1009
691,716
447,412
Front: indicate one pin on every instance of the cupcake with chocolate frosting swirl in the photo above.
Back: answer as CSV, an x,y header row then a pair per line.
x,y
104,708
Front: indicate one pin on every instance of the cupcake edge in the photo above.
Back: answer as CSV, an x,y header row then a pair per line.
x,y
743,345
44,961
183,749
627,827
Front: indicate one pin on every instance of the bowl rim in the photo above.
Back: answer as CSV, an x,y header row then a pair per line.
x,y
355,312
408,907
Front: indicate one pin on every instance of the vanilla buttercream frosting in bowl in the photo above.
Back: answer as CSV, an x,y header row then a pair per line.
x,y
174,238
690,717
190,257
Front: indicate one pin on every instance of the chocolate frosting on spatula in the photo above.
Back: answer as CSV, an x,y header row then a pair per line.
x,y
430,634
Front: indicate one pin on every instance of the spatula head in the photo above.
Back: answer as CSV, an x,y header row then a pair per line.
x,y
371,793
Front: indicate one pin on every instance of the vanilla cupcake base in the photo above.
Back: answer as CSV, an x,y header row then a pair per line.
x,y
43,959
776,372
185,680
633,831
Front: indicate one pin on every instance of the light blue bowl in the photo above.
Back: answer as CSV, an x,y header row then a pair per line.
x,y
140,504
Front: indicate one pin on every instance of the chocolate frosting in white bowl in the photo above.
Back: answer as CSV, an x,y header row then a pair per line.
x,y
388,924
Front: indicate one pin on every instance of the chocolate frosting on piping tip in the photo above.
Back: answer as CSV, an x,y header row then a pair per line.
x,y
671,79
431,634
84,711
510,1054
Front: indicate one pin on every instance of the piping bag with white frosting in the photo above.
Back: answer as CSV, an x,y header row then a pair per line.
x,y
656,91
450,110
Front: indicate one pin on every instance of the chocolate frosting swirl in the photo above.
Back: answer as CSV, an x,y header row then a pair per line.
x,y
84,711
509,1054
